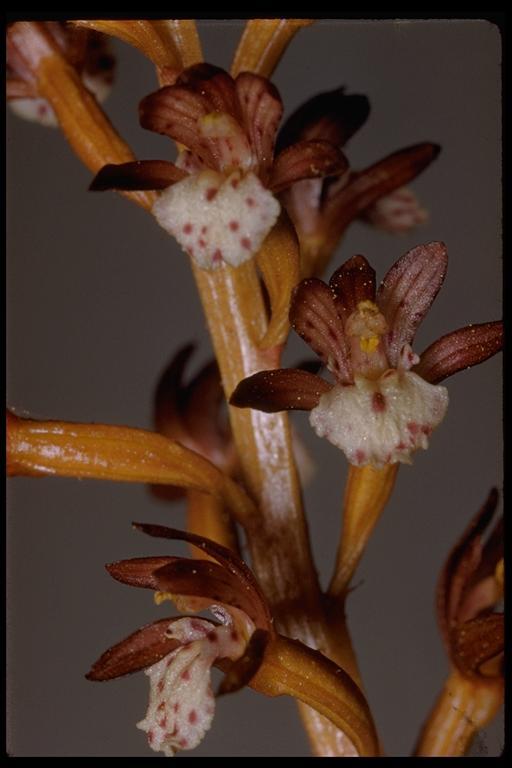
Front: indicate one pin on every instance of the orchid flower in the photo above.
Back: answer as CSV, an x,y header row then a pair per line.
x,y
386,400
88,51
470,585
178,653
218,200
322,209
470,589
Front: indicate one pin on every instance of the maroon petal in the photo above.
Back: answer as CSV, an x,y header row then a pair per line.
x,y
407,292
313,315
174,111
333,116
215,85
462,562
365,187
143,648
306,160
460,349
140,174
261,109
224,556
203,578
352,283
138,571
240,672
478,642
281,389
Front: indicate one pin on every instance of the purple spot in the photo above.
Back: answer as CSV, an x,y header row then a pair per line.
x,y
187,228
210,193
234,225
378,402
192,716
245,243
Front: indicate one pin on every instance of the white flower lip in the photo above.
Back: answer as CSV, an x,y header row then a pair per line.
x,y
380,421
218,219
181,701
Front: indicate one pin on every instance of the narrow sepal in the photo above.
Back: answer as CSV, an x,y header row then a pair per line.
x,y
262,110
459,350
140,174
352,283
139,650
221,554
314,316
281,389
306,160
332,116
138,571
407,292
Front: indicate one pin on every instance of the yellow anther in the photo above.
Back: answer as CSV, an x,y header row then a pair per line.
x,y
367,306
160,597
369,344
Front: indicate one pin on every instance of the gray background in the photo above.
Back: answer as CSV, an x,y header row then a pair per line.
x,y
98,300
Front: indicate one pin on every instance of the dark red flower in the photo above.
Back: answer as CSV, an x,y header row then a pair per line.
x,y
178,653
219,200
470,587
322,209
385,402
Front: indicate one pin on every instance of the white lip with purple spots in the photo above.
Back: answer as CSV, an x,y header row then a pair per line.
x,y
380,421
218,219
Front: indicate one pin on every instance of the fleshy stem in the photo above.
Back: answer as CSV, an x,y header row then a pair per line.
x,y
463,707
279,542
235,311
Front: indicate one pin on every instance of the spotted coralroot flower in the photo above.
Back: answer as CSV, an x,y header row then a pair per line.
x,y
470,588
385,401
88,52
218,200
322,209
178,653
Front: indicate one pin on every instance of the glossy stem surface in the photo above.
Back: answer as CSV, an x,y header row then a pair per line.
x,y
463,708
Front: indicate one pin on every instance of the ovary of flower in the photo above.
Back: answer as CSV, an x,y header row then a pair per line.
x,y
181,701
218,219
380,421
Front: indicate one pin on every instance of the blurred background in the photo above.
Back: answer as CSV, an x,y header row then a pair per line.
x,y
99,299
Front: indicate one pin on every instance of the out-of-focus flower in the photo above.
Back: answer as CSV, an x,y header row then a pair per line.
x,y
322,209
469,592
88,52
470,587
178,653
219,200
195,415
385,402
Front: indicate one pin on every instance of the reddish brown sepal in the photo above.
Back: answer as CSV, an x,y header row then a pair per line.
x,y
139,650
352,283
314,316
137,175
306,160
376,181
333,116
280,390
203,578
460,349
223,556
138,571
407,292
